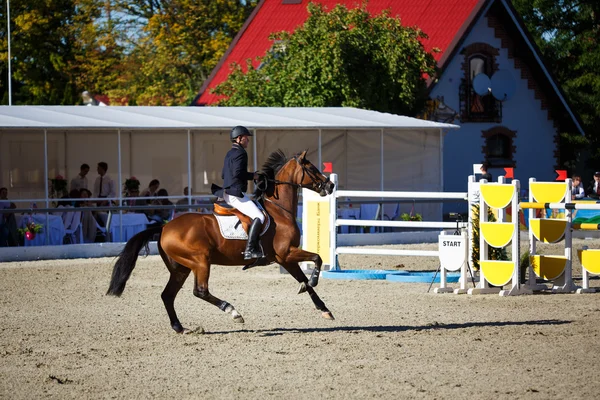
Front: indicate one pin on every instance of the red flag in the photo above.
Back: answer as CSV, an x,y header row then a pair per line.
x,y
509,173
327,167
562,174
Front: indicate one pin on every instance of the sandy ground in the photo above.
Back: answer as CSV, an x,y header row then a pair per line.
x,y
63,338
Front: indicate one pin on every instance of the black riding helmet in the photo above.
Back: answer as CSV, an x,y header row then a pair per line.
x,y
239,131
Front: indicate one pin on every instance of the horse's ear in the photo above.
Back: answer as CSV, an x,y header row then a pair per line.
x,y
303,155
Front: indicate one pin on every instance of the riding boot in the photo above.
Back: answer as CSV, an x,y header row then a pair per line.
x,y
253,249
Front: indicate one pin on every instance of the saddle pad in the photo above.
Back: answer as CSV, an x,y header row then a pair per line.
x,y
231,227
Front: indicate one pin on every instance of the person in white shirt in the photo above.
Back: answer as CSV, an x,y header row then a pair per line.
x,y
104,185
577,191
80,181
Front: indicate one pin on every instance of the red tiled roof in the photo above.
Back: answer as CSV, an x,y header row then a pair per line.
x,y
441,20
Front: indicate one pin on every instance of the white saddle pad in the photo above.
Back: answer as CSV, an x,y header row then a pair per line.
x,y
231,227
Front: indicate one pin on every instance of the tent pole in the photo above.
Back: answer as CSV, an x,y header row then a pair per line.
x,y
120,180
320,152
189,166
46,185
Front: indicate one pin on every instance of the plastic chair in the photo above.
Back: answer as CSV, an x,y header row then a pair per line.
x,y
367,212
390,213
74,232
67,218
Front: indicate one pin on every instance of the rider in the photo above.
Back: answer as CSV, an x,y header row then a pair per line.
x,y
235,184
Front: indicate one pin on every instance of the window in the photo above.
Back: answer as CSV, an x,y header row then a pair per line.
x,y
479,59
499,148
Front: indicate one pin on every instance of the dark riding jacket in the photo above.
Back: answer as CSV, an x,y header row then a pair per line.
x,y
235,173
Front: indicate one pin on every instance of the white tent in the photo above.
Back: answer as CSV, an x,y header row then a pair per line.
x,y
185,146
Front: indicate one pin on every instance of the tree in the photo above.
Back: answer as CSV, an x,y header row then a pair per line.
x,y
145,52
338,58
567,33
178,43
41,48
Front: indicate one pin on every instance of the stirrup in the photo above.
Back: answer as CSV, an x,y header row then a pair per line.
x,y
259,262
252,254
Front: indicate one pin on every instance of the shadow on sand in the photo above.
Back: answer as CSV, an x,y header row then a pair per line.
x,y
393,328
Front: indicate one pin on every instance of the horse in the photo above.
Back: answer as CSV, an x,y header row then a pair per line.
x,y
192,241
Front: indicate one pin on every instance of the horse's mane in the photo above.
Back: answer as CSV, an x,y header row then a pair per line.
x,y
274,163
270,168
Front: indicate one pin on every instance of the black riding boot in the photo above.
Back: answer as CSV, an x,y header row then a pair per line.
x,y
253,249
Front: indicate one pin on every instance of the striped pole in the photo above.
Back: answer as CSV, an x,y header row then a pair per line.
x,y
561,206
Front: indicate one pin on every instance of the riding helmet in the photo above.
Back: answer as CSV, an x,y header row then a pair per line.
x,y
239,131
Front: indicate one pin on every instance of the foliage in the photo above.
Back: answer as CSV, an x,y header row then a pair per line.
x,y
58,187
411,217
42,46
144,52
30,230
337,58
493,252
567,33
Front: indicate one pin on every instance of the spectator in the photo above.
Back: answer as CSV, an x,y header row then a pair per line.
x,y
186,192
88,221
8,223
150,191
484,172
134,192
577,191
164,214
104,185
593,189
80,181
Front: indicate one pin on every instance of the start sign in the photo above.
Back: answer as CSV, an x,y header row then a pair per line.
x,y
453,250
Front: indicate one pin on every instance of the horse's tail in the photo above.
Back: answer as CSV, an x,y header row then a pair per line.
x,y
127,259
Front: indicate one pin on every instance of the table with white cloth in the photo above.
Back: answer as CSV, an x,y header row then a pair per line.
x,y
132,223
348,213
57,229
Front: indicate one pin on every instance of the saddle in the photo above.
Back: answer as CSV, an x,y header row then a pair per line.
x,y
229,219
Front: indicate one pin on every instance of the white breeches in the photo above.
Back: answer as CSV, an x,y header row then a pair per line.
x,y
245,206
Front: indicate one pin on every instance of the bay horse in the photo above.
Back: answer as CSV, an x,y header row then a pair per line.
x,y
192,242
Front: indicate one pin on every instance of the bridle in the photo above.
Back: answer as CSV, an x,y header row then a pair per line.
x,y
316,185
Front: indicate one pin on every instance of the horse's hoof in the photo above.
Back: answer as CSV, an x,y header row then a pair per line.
x,y
238,319
327,315
302,288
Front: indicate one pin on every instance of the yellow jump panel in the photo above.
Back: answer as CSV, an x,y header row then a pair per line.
x,y
548,267
548,230
548,192
497,234
498,273
497,195
590,260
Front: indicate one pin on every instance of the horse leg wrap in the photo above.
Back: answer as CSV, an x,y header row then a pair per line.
x,y
314,278
225,307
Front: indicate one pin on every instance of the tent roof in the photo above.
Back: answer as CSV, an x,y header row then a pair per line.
x,y
205,118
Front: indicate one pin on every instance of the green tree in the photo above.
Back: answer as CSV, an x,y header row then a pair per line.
x,y
567,33
177,44
41,49
338,58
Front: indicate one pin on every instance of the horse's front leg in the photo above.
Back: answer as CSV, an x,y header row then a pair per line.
x,y
294,269
297,255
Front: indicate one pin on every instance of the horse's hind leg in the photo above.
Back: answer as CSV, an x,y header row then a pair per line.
x,y
295,270
179,274
201,275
